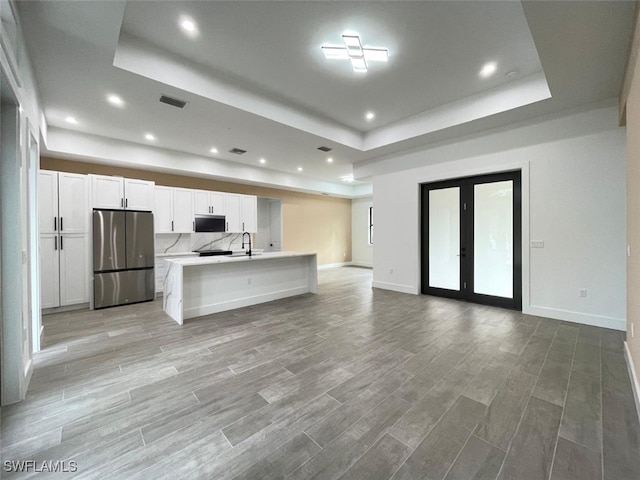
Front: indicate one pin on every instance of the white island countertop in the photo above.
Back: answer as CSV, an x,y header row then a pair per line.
x,y
186,261
197,286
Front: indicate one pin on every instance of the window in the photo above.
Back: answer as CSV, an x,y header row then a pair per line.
x,y
370,225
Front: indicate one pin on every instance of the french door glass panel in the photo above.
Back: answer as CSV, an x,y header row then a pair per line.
x,y
493,239
444,238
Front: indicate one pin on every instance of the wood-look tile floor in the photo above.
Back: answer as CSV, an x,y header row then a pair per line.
x,y
349,383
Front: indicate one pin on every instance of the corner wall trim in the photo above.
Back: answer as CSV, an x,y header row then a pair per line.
x,y
577,317
635,386
396,287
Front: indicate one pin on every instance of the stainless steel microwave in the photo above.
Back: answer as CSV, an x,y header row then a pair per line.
x,y
210,223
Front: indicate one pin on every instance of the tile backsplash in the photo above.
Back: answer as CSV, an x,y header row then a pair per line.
x,y
188,242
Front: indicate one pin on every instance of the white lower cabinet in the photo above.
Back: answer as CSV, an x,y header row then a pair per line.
x,y
49,271
74,256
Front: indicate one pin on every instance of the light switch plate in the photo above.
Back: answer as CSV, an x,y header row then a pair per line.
x,y
537,243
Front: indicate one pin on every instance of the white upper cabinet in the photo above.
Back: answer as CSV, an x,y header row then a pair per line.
x,y
107,192
121,193
163,209
48,201
138,194
241,213
183,218
232,207
173,212
73,194
208,203
249,213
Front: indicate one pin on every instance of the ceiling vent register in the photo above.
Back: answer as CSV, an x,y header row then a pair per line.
x,y
174,102
237,151
324,149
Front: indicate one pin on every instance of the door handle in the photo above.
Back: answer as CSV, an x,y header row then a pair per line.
x,y
61,227
55,243
61,247
55,224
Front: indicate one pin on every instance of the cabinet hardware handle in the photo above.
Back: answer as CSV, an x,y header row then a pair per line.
x,y
172,225
55,223
243,226
55,243
194,226
61,227
61,247
121,202
126,203
227,226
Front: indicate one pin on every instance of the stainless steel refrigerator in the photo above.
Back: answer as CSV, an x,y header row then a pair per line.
x,y
123,257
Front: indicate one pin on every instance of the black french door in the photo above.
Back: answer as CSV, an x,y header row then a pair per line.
x,y
472,239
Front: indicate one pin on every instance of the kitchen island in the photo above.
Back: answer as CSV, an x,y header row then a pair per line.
x,y
197,286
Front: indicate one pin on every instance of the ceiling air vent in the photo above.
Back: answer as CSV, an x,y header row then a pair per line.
x,y
174,102
237,151
324,149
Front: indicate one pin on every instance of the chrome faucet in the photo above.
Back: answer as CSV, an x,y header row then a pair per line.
x,y
248,251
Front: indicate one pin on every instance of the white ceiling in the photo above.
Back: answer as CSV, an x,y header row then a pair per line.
x,y
255,78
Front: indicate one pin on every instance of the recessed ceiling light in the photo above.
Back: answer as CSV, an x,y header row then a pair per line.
x,y
299,169
71,120
329,160
263,161
488,69
213,150
149,137
188,26
115,100
370,115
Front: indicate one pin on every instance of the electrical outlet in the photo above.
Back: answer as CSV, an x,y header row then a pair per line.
x,y
249,281
583,292
537,244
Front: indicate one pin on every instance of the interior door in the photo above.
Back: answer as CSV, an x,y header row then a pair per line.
x,y
471,239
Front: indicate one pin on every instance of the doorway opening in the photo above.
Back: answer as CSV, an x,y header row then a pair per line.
x,y
269,235
472,239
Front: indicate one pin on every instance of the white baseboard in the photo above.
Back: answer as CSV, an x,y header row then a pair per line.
x,y
360,264
577,317
333,265
396,287
635,386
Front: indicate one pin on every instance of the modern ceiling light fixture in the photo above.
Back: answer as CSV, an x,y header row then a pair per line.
x,y
354,51
488,69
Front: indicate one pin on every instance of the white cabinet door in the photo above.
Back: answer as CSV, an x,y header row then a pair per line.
x,y
49,271
107,192
183,220
73,191
232,208
201,202
249,209
138,194
74,269
48,201
163,209
216,200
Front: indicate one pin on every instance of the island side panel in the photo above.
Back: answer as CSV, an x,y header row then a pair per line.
x,y
172,299
219,287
